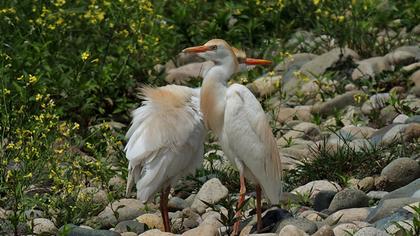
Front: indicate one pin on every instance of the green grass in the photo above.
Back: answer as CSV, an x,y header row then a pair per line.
x,y
67,67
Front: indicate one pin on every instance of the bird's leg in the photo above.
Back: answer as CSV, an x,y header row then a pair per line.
x,y
259,223
164,208
241,200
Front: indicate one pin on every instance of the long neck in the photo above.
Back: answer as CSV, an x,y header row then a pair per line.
x,y
213,95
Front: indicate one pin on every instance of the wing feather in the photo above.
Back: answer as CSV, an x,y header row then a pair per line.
x,y
250,137
162,128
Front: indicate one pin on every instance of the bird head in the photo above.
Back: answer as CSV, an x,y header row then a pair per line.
x,y
219,51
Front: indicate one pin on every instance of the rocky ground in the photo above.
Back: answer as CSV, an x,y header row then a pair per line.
x,y
319,105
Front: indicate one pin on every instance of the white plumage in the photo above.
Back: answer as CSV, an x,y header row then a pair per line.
x,y
165,140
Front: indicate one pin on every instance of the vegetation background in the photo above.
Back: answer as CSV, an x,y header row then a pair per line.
x,y
70,70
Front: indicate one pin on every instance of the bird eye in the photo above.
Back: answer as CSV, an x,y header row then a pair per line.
x,y
213,47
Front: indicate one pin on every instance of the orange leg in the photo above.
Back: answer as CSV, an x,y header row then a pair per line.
x,y
241,200
259,223
164,208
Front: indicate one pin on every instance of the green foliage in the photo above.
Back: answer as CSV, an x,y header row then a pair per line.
x,y
67,67
337,163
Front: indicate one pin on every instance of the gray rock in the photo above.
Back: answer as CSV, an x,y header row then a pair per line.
x,y
117,183
73,230
337,103
301,113
265,85
400,172
129,234
394,134
291,230
379,100
301,223
345,229
211,192
323,200
349,198
325,230
304,130
183,74
413,119
398,215
378,136
288,69
415,78
43,226
314,187
370,231
388,114
130,226
388,206
176,203
377,194
412,132
321,63
32,214
127,209
94,196
400,119
404,55
369,68
406,191
348,215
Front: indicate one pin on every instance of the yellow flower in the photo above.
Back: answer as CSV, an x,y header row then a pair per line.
x,y
6,91
28,176
32,79
38,97
316,2
85,55
271,73
340,18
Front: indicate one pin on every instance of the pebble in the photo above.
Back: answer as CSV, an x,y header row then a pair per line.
x,y
211,192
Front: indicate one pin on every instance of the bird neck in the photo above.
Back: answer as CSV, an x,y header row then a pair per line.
x,y
213,95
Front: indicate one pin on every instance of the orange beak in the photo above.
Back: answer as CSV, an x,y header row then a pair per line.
x,y
254,61
197,49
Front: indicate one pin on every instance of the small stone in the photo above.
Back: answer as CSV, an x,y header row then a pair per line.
x,y
321,63
127,209
314,187
156,232
211,192
304,130
366,184
129,226
400,119
202,230
349,198
401,172
395,228
291,230
325,230
129,234
94,196
338,102
388,206
301,223
412,132
73,230
177,203
270,219
376,194
345,229
323,200
152,221
348,215
44,226
370,231
117,183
